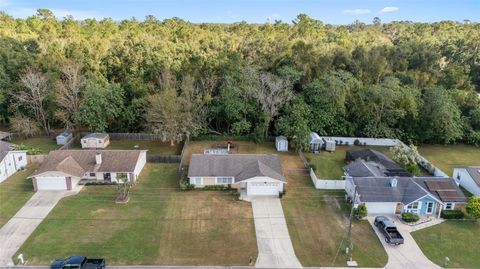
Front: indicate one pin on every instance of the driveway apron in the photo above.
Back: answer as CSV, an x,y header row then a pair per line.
x,y
17,230
409,255
275,249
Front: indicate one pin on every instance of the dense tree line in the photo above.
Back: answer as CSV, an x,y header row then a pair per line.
x,y
419,82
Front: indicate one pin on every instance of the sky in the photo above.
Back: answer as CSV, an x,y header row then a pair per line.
x,y
254,11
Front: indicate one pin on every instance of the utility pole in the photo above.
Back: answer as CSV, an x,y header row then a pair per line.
x,y
350,245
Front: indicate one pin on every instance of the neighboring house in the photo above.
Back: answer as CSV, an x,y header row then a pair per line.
x,y
374,162
11,160
95,141
315,142
63,169
64,138
281,143
468,178
421,195
258,174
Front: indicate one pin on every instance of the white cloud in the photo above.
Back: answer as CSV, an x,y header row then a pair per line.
x,y
388,10
357,11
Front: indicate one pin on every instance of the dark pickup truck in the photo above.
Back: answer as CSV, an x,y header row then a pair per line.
x,y
389,230
78,262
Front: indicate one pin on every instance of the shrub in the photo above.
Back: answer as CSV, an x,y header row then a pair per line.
x,y
361,211
364,143
410,217
340,142
215,188
185,185
356,142
452,214
473,207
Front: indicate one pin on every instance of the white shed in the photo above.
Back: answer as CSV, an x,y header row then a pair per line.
x,y
95,141
281,143
329,143
64,137
315,142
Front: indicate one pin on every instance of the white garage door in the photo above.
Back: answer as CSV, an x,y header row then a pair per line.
x,y
263,188
381,208
52,183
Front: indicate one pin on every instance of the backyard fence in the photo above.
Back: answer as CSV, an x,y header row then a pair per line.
x,y
387,142
326,184
130,136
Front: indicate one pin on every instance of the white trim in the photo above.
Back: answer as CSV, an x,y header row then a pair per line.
x,y
433,208
452,203
222,183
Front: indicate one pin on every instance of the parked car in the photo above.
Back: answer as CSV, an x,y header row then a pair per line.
x,y
78,262
389,230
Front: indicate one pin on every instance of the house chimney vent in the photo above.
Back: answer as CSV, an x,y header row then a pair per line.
x,y
393,182
98,158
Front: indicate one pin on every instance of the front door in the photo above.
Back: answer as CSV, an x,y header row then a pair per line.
x,y
429,207
107,177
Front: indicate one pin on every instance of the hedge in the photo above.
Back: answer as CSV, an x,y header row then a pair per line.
x,y
410,217
452,214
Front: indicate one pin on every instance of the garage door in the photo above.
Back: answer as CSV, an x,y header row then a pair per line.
x,y
263,188
52,183
381,208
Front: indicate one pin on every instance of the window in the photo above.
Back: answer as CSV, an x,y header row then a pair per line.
x,y
413,207
122,176
224,180
20,158
448,206
197,181
92,174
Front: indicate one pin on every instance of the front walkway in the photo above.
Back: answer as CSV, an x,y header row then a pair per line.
x,y
275,249
17,230
409,255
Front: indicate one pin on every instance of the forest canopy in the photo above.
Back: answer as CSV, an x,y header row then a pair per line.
x,y
419,82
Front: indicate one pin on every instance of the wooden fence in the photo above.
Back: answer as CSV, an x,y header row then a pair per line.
x,y
39,158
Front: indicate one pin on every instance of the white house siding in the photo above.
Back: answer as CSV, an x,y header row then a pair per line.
x,y
142,160
13,162
374,208
462,177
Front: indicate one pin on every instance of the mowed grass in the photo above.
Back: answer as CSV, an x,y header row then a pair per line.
x,y
161,225
44,144
318,223
15,191
457,240
153,147
447,157
329,165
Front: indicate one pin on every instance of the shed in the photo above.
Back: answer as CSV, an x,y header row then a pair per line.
x,y
64,137
315,142
95,140
281,143
329,143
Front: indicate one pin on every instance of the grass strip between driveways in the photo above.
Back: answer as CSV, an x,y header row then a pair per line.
x,y
15,191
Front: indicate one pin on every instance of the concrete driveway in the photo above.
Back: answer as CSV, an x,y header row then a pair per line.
x,y
409,255
275,249
17,230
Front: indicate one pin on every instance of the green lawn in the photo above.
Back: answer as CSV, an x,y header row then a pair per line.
x,y
447,157
159,226
15,191
329,165
154,147
318,221
457,240
43,144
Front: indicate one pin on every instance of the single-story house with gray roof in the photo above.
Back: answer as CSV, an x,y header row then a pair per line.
x,y
390,195
469,178
258,174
